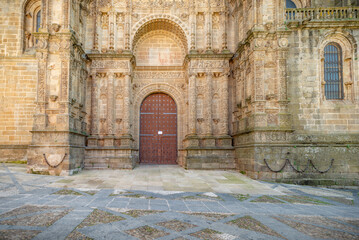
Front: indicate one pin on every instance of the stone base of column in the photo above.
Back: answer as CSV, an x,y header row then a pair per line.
x,y
191,141
211,152
51,153
110,152
110,158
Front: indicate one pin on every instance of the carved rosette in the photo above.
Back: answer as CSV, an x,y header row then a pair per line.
x,y
283,42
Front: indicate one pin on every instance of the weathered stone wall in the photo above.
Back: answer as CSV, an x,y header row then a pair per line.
x,y
17,105
324,129
280,110
159,49
11,23
312,111
18,77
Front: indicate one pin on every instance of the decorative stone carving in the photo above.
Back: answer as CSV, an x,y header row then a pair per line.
x,y
160,3
55,27
111,64
159,75
41,43
209,64
283,42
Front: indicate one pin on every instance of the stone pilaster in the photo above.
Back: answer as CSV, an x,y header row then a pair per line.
x,y
44,13
66,11
94,111
112,18
97,25
192,113
110,104
193,19
208,104
224,104
208,31
127,105
223,21
128,27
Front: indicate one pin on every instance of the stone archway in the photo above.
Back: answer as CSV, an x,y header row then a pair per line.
x,y
171,91
160,22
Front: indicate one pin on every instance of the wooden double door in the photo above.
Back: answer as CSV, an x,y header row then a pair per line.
x,y
158,130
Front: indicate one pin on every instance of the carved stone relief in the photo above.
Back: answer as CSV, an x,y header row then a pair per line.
x,y
111,64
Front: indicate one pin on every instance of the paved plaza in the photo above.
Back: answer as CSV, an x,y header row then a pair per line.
x,y
168,202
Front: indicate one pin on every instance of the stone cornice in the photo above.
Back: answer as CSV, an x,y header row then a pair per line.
x,y
209,56
260,33
107,56
349,24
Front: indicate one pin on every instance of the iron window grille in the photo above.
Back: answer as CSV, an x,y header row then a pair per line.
x,y
333,72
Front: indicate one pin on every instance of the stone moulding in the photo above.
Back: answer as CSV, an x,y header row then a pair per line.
x,y
146,19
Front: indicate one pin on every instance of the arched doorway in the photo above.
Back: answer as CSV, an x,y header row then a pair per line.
x,y
158,130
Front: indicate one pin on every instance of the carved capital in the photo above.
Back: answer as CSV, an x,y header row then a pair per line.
x,y
101,75
201,74
217,74
118,75
200,120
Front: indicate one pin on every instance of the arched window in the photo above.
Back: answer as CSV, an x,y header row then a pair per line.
x,y
38,20
333,72
32,23
290,4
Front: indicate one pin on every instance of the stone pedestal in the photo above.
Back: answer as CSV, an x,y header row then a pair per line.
x,y
56,153
111,152
208,152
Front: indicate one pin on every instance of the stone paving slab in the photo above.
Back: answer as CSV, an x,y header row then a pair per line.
x,y
166,178
299,212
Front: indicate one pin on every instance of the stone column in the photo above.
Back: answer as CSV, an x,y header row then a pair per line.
x,y
112,21
208,104
192,113
110,104
95,98
193,19
128,26
97,26
224,31
44,12
208,31
40,117
224,104
66,9
127,103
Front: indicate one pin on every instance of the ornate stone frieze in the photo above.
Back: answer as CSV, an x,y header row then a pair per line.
x,y
160,3
101,64
217,3
209,64
159,75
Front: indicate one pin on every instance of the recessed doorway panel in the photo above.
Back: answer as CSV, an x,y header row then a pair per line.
x,y
158,130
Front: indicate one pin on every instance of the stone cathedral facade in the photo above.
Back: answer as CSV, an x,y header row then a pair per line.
x,y
268,88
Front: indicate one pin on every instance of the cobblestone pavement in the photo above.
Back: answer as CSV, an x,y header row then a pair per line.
x,y
37,207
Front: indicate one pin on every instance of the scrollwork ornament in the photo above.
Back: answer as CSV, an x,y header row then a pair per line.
x,y
65,44
41,44
259,42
